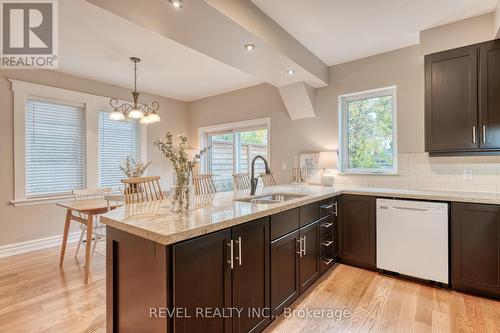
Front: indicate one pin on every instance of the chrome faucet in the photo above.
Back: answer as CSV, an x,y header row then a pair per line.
x,y
255,180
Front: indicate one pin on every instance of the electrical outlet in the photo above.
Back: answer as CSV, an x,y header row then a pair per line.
x,y
283,166
467,174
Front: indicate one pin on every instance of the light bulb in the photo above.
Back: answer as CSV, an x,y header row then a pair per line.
x,y
176,3
136,114
117,115
153,118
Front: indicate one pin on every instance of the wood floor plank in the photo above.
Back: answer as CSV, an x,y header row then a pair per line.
x,y
38,296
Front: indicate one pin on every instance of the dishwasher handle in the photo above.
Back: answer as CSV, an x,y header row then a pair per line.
x,y
411,208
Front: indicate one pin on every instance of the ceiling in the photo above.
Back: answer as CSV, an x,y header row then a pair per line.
x,y
99,48
343,30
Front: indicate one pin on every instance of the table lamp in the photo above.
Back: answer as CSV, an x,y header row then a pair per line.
x,y
327,161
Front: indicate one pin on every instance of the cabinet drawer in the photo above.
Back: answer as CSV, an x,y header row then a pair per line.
x,y
326,225
326,243
284,223
309,213
327,206
326,262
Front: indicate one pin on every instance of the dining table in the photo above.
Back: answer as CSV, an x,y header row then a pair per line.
x,y
84,211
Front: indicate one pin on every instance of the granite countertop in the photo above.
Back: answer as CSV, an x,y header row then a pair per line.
x,y
155,221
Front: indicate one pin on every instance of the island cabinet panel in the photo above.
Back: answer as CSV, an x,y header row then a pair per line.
x,y
251,276
136,275
202,280
309,259
476,248
357,230
451,100
489,99
284,223
285,284
309,213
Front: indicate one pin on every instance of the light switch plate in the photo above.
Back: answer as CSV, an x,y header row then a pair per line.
x,y
283,166
467,174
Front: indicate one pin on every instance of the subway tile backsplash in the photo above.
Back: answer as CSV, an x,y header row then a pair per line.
x,y
420,172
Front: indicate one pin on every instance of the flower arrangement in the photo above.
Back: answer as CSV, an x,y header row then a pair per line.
x,y
183,166
133,168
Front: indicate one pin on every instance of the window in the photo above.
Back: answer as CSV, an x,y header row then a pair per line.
x,y
55,148
64,141
117,140
233,146
368,132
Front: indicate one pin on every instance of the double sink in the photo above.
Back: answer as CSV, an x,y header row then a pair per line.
x,y
272,198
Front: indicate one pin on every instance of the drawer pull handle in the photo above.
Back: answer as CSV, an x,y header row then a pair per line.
x,y
326,225
300,246
335,212
328,261
327,206
327,243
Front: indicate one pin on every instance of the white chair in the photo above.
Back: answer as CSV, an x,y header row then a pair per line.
x,y
99,230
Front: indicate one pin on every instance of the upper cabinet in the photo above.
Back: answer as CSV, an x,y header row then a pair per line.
x,y
462,110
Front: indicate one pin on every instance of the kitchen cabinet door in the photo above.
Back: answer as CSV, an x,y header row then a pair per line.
x,y
285,285
476,248
357,230
202,280
489,98
309,259
451,100
251,285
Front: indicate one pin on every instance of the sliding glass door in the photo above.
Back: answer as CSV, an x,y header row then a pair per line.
x,y
232,152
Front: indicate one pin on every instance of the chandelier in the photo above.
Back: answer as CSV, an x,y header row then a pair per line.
x,y
146,113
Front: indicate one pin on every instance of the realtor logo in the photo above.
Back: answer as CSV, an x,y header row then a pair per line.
x,y
29,34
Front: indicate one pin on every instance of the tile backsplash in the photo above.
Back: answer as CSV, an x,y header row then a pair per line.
x,y
420,172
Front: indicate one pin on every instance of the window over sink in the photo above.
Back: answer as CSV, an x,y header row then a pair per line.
x,y
367,127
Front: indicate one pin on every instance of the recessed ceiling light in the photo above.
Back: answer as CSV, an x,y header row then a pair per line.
x,y
290,71
176,3
249,47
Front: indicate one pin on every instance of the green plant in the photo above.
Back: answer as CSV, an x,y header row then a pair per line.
x,y
133,168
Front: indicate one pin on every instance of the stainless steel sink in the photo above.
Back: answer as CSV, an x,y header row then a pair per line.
x,y
273,198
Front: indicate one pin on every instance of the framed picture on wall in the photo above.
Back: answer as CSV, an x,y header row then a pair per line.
x,y
310,172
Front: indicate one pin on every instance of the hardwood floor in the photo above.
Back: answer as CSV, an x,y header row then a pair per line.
x,y
37,296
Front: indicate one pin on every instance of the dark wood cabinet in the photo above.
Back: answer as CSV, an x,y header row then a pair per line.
x,y
476,248
451,100
489,98
462,106
202,279
285,286
251,276
357,230
309,258
208,274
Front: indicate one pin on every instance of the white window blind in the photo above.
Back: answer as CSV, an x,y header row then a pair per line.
x,y
55,148
117,140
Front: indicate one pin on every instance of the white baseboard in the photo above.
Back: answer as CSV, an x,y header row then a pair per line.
x,y
36,244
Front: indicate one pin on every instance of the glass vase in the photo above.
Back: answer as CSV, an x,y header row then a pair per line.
x,y
183,193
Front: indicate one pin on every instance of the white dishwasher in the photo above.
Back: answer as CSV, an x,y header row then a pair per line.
x,y
412,238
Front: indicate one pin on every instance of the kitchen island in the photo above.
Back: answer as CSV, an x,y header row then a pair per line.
x,y
230,265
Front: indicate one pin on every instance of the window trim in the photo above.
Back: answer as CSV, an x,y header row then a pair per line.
x,y
92,105
233,126
342,119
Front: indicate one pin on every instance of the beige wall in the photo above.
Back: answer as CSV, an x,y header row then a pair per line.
x,y
461,33
18,224
403,67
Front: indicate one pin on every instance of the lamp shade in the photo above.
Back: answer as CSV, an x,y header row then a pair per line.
x,y
327,160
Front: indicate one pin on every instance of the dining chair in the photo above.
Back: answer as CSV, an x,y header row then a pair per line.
x,y
204,184
99,229
268,179
241,181
142,189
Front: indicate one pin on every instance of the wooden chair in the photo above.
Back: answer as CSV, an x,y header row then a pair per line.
x,y
98,230
268,179
241,181
142,189
204,184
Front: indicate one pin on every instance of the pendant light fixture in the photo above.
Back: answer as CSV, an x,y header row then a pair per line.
x,y
146,113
